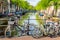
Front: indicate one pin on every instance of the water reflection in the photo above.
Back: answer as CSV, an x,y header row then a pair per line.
x,y
31,19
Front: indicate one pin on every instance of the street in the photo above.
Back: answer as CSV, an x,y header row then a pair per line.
x,y
30,38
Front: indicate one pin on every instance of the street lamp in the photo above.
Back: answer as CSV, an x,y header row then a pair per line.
x,y
8,5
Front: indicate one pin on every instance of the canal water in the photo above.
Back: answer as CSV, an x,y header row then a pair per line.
x,y
31,19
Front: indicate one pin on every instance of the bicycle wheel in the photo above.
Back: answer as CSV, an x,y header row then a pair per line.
x,y
37,33
19,33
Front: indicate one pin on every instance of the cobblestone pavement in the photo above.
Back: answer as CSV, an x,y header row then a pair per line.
x,y
30,38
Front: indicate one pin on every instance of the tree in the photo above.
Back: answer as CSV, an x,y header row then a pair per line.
x,y
56,4
43,4
23,4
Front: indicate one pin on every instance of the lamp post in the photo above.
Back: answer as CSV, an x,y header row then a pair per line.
x,y
8,5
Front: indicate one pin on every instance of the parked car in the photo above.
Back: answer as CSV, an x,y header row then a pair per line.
x,y
18,13
2,15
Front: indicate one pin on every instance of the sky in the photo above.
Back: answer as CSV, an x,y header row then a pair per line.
x,y
33,2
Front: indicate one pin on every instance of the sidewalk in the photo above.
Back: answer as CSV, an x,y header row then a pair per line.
x,y
30,38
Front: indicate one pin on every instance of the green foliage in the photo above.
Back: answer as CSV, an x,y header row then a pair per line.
x,y
20,22
24,4
13,1
43,4
21,3
39,21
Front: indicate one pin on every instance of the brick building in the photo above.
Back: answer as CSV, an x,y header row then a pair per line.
x,y
3,5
